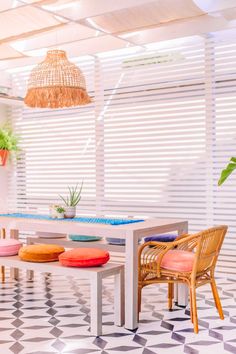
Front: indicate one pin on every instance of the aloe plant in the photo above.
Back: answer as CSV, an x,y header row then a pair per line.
x,y
74,196
227,171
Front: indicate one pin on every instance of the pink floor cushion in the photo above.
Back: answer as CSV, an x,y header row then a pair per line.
x,y
84,257
180,261
9,247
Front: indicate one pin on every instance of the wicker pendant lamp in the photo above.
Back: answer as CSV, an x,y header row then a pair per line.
x,y
56,83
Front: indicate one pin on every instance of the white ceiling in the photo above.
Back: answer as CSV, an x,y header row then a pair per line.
x,y
28,28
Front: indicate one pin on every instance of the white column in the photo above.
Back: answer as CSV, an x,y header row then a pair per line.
x,y
99,134
210,126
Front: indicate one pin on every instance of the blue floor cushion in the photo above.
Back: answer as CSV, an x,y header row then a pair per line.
x,y
115,241
161,238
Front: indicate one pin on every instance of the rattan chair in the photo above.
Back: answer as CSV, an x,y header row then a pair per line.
x,y
202,252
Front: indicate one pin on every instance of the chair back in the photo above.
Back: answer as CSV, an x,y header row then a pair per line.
x,y
208,248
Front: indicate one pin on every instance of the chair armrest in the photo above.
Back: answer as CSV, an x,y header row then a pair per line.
x,y
181,236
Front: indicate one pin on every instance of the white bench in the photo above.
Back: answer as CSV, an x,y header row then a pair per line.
x,y
94,274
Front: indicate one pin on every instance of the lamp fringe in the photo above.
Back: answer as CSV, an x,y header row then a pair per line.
x,y
56,97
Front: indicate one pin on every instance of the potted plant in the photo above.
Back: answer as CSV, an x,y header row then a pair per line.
x,y
227,171
60,212
8,143
72,200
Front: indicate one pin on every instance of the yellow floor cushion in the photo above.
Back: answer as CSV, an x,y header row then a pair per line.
x,y
40,253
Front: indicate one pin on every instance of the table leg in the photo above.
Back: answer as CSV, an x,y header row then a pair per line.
x,y
131,281
181,290
119,298
96,304
14,271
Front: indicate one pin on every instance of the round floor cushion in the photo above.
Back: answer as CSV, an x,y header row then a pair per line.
x,y
40,253
84,257
9,247
84,238
161,238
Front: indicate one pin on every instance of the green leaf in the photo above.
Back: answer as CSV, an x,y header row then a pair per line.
x,y
64,200
227,171
8,140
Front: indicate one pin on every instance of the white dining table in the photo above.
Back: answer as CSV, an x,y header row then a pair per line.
x,y
132,233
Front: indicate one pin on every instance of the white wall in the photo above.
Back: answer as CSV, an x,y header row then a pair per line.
x,y
3,170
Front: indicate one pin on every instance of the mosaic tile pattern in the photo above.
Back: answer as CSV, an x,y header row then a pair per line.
x,y
51,315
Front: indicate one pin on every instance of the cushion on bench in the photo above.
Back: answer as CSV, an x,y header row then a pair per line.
x,y
178,260
161,238
84,238
116,241
84,257
9,247
40,253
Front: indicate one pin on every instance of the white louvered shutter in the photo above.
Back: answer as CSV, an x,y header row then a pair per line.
x,y
58,150
224,142
154,134
153,144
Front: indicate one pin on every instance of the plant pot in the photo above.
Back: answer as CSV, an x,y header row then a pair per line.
x,y
60,215
52,211
3,157
70,212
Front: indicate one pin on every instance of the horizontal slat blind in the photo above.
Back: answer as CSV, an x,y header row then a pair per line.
x,y
224,146
153,143
58,150
154,134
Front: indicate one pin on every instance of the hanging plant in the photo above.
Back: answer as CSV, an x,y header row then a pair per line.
x,y
227,171
9,142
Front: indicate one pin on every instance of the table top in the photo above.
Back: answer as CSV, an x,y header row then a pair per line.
x,y
144,228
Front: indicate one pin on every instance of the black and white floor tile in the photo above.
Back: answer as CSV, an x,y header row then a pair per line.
x,y
50,315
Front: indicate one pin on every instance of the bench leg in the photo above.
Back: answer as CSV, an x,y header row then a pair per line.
x,y
14,271
3,234
29,273
119,304
96,304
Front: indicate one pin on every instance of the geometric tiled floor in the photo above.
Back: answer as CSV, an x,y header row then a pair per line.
x,y
51,315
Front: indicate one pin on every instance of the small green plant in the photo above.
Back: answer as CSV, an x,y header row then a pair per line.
x,y
227,171
8,140
60,209
74,196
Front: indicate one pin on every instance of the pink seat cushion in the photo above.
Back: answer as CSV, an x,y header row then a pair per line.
x,y
84,257
9,247
180,261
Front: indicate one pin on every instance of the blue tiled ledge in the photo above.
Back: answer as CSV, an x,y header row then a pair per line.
x,y
107,221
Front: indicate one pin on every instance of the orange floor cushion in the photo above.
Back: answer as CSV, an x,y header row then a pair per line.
x,y
178,260
84,257
40,253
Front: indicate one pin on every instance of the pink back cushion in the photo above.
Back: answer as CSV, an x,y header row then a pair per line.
x,y
9,247
178,260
